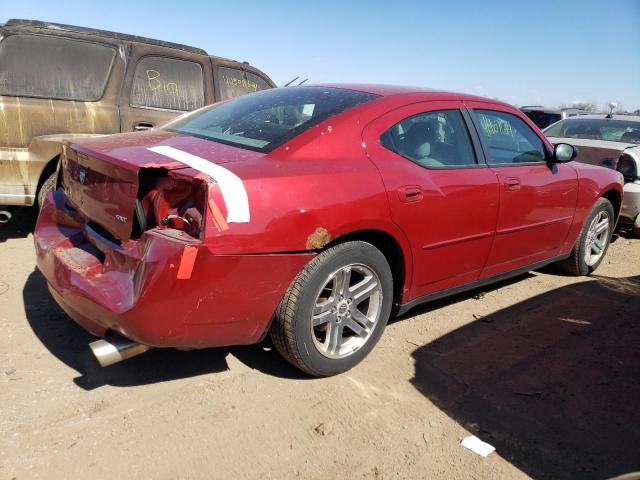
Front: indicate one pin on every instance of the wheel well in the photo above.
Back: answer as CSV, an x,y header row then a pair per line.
x,y
389,248
49,169
616,200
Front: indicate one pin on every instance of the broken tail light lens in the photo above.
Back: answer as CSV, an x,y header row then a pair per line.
x,y
167,200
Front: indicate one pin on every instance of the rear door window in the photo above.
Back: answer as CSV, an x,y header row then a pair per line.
x,y
436,139
509,139
235,82
54,67
167,84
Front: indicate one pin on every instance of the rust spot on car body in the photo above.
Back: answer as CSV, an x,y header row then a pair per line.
x,y
318,239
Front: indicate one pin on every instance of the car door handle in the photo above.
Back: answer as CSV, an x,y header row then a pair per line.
x,y
512,184
141,126
410,193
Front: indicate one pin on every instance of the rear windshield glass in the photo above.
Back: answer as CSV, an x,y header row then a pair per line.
x,y
596,129
234,82
265,120
53,67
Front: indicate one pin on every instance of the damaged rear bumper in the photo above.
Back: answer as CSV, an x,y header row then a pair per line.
x,y
159,290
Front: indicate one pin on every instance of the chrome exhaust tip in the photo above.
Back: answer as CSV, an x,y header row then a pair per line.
x,y
5,216
115,349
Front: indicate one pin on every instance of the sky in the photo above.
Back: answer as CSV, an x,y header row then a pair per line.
x,y
537,52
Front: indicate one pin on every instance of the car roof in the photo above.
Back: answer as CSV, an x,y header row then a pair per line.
x,y
602,116
384,90
102,33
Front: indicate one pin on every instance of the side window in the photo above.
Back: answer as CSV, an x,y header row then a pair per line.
x,y
434,140
54,67
509,139
234,82
167,83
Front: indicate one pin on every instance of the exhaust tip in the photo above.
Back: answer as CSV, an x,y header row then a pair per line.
x,y
5,216
116,349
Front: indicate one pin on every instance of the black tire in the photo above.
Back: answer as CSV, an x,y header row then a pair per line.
x,y
292,332
576,263
48,185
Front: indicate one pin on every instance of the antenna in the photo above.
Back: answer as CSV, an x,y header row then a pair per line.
x,y
287,84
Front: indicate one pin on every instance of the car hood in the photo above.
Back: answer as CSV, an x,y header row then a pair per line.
x,y
604,153
588,142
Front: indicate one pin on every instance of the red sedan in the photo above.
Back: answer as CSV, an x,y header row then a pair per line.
x,y
311,214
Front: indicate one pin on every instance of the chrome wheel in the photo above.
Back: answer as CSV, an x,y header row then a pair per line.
x,y
597,238
346,311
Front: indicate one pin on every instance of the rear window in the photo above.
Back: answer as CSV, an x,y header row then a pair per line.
x,y
54,67
168,84
234,83
596,129
265,120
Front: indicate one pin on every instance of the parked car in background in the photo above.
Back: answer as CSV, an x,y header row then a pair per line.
x,y
61,81
310,213
543,117
609,141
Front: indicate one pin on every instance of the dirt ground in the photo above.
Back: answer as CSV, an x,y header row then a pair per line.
x,y
545,367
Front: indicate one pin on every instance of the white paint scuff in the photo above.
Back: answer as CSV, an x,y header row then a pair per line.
x,y
232,189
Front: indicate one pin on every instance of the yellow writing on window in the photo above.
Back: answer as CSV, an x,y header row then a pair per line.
x,y
240,82
155,83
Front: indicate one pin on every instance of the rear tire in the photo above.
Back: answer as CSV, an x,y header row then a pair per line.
x,y
47,186
335,310
593,241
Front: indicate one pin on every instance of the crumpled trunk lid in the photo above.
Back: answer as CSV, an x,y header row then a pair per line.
x,y
103,192
101,176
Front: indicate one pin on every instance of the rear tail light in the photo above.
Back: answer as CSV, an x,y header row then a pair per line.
x,y
168,200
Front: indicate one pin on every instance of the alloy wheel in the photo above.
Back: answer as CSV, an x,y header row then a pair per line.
x,y
346,310
597,238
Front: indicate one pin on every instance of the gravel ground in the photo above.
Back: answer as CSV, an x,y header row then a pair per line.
x,y
544,367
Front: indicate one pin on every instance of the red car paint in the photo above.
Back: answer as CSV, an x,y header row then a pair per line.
x,y
167,288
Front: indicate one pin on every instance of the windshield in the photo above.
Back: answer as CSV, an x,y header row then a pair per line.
x,y
264,120
596,129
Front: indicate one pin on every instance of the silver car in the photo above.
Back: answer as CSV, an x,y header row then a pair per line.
x,y
609,141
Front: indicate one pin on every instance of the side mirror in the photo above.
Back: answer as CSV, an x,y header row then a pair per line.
x,y
563,152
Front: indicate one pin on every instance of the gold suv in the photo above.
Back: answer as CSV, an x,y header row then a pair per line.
x,y
60,81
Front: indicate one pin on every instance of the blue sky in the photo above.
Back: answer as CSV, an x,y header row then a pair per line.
x,y
534,52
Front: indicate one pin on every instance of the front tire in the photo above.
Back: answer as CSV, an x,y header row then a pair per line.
x,y
593,242
335,310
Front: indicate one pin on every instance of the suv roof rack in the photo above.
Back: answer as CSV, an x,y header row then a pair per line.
x,y
103,33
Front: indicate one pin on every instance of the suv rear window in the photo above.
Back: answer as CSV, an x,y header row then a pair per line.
x,y
265,120
168,84
54,67
234,82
